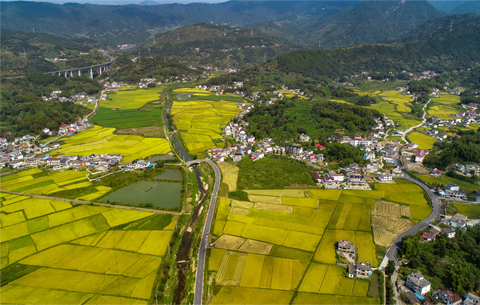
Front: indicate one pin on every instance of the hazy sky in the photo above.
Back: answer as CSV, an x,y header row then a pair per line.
x,y
119,2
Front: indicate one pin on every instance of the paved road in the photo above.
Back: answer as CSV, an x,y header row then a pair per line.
x,y
435,213
76,201
203,244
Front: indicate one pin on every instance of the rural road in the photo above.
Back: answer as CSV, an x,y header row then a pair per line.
x,y
435,213
203,244
404,136
76,201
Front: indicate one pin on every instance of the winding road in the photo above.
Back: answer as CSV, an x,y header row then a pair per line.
x,y
202,252
435,213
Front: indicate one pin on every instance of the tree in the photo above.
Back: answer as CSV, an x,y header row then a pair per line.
x,y
391,267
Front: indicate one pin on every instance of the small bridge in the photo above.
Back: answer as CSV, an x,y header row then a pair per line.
x,y
194,162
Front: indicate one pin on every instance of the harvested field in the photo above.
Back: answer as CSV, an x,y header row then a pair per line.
x,y
229,175
258,247
229,242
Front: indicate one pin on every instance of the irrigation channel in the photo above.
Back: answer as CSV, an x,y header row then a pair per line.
x,y
183,258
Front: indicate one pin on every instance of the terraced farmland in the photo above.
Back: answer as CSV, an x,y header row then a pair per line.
x,y
199,121
291,234
54,252
100,140
395,106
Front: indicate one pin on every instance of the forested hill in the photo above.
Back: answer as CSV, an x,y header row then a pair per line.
x,y
121,24
217,46
467,7
441,26
458,49
365,22
371,21
39,46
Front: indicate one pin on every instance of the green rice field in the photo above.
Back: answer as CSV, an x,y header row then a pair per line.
x,y
123,109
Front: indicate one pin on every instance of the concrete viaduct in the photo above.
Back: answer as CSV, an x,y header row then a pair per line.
x,y
78,71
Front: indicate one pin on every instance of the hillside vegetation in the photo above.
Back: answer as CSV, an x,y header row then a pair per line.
x,y
24,112
121,24
217,46
40,46
365,22
459,49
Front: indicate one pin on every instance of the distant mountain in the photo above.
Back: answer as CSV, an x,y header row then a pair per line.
x,y
365,22
446,5
24,52
459,49
467,7
121,24
440,27
218,46
369,22
148,2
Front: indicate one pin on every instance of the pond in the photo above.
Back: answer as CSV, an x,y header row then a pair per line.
x,y
159,194
170,174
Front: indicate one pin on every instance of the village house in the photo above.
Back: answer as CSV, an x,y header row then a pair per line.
x,y
335,176
471,299
316,177
347,248
419,155
458,221
385,177
330,182
363,269
448,297
304,138
435,172
417,283
450,232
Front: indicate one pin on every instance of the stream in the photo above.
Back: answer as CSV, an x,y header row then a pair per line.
x,y
183,258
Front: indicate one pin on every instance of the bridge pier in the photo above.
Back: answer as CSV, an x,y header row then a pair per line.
x,y
79,73
71,73
90,73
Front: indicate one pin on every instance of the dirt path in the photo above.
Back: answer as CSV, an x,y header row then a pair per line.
x,y
76,201
404,136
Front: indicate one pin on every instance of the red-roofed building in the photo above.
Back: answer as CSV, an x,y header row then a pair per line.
x,y
319,146
420,154
449,298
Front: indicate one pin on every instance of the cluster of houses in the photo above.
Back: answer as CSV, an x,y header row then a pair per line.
x,y
69,129
81,97
23,152
348,251
452,190
467,169
353,176
416,287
